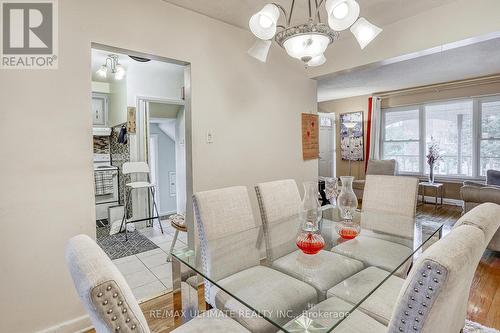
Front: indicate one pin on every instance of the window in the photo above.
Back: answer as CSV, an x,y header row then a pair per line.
x,y
408,131
450,125
402,138
490,136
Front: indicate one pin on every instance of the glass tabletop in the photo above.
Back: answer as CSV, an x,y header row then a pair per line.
x,y
252,266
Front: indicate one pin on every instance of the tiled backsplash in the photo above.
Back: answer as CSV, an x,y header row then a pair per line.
x,y
102,145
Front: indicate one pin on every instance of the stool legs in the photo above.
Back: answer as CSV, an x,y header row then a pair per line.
x,y
169,258
127,200
156,209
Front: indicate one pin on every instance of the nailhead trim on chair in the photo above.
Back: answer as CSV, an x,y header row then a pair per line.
x,y
203,250
420,296
108,300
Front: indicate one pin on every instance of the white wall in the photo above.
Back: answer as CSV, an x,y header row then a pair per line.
x,y
45,129
180,160
150,81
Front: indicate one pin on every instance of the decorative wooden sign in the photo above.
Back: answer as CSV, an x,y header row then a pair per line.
x,y
310,136
131,119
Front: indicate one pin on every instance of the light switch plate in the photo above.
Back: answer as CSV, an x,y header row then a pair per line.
x,y
210,136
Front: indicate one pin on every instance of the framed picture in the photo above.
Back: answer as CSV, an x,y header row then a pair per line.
x,y
352,136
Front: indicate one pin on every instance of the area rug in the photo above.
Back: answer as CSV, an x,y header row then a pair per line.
x,y
472,327
117,247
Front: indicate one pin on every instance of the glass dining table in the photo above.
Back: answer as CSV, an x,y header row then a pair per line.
x,y
386,243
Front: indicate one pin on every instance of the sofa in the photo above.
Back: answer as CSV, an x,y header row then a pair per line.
x,y
475,193
375,167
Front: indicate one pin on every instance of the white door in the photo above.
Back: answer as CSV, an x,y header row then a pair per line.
x,y
153,166
326,145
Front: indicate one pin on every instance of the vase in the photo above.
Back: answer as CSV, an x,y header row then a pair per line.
x,y
309,239
431,173
347,203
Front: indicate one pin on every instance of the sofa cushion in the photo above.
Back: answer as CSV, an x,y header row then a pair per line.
x,y
493,177
322,271
381,303
264,289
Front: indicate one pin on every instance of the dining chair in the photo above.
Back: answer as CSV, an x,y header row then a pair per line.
x,y
279,205
108,298
387,224
230,248
138,168
434,296
380,305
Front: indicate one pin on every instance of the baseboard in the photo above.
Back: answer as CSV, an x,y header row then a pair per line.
x,y
446,201
78,325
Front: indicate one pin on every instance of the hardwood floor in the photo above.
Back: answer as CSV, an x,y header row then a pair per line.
x,y
484,300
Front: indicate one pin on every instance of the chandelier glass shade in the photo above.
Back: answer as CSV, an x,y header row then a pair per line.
x,y
341,13
309,41
263,24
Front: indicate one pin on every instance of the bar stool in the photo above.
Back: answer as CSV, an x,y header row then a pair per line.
x,y
178,222
138,168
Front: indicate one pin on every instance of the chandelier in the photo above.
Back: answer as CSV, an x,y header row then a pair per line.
x,y
111,65
308,41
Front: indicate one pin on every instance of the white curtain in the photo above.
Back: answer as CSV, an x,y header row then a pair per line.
x,y
375,128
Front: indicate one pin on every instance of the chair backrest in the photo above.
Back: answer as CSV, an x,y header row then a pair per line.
x,y
279,200
434,297
382,167
103,289
135,167
480,217
391,194
227,230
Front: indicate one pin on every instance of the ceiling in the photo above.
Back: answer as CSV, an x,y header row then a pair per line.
x,y
473,60
99,59
238,12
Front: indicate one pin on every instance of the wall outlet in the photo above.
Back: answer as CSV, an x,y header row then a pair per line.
x,y
210,136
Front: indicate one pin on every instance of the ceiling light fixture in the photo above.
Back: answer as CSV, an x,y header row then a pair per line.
x,y
308,41
111,65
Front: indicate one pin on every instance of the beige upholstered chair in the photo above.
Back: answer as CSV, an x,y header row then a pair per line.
x,y
434,296
109,300
228,238
387,224
386,241
474,194
278,202
375,167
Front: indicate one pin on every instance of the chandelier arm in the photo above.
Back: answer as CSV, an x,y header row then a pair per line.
x,y
310,9
317,9
284,12
291,12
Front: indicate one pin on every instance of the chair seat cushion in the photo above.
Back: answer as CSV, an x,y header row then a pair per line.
x,y
377,252
328,313
140,185
213,321
264,289
381,303
322,271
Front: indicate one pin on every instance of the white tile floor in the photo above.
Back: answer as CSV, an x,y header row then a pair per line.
x,y
148,273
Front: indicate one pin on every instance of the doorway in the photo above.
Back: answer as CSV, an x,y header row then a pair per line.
x,y
327,145
121,80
